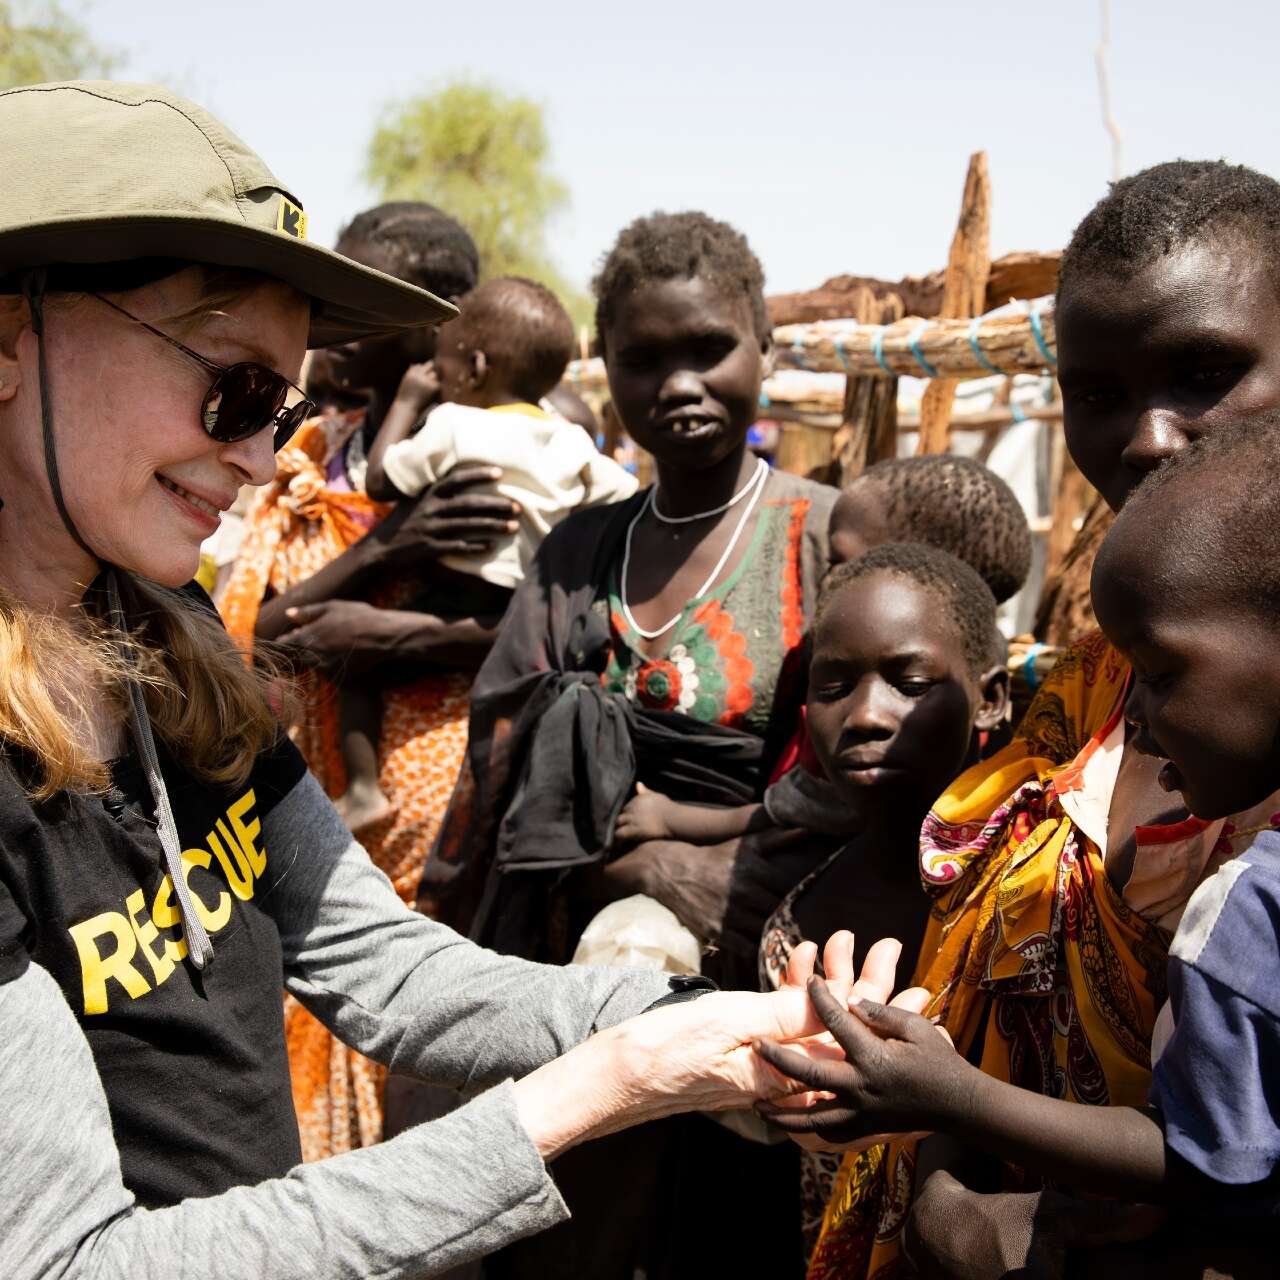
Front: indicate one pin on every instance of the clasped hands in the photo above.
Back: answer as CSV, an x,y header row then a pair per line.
x,y
787,1053
880,1070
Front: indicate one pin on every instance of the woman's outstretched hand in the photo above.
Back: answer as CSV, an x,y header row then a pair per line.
x,y
886,1069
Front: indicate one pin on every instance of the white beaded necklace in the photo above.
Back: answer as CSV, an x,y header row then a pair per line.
x,y
756,483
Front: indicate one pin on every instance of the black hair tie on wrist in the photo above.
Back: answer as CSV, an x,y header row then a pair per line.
x,y
684,987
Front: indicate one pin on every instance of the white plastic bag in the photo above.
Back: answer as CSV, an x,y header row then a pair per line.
x,y
639,933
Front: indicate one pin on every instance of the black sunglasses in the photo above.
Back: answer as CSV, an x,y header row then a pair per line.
x,y
243,398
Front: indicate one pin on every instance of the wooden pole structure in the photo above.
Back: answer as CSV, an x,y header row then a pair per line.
x,y
964,293
1065,612
868,431
1013,275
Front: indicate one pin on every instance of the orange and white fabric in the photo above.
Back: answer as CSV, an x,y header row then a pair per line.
x,y
296,526
549,466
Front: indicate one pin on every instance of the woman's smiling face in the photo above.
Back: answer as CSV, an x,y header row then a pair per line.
x,y
143,483
685,366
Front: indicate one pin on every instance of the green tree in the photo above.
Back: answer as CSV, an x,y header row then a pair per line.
x,y
482,156
45,41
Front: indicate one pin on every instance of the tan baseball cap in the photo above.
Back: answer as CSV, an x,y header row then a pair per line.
x,y
96,171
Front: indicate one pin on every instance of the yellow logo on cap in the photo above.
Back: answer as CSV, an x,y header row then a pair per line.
x,y
291,220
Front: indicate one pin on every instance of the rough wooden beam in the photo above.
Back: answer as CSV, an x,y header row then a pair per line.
x,y
964,293
835,299
1021,275
993,422
1015,275
869,431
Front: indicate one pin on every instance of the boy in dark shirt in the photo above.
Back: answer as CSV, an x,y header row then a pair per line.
x,y
1187,587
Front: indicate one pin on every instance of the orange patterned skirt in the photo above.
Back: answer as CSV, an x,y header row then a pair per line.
x,y
337,1092
294,529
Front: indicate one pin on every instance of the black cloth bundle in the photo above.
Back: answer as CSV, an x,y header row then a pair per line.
x,y
552,758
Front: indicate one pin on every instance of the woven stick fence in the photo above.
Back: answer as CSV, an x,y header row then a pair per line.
x,y
817,401
1019,338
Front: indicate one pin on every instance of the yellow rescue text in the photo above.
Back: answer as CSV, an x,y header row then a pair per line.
x,y
124,953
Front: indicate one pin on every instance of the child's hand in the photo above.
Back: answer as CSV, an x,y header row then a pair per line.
x,y
898,1074
644,817
419,387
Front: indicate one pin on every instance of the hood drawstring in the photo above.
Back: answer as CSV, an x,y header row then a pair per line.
x,y
199,946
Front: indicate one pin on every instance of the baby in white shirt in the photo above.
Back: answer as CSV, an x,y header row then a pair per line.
x,y
493,364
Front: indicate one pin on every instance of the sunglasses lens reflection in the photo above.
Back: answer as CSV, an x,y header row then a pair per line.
x,y
242,401
290,421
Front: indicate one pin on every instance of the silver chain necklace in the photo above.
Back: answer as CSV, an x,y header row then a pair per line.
x,y
761,464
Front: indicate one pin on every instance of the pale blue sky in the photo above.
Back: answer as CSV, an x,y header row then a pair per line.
x,y
835,137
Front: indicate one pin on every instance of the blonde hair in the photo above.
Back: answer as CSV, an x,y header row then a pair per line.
x,y
210,708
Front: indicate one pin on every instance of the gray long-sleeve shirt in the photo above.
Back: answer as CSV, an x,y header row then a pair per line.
x,y
392,984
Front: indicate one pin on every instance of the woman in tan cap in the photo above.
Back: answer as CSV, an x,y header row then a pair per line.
x,y
166,862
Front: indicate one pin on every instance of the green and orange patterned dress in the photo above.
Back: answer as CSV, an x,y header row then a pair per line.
x,y
728,649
